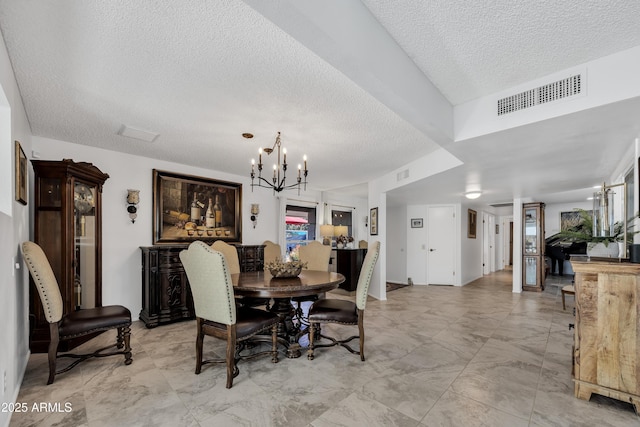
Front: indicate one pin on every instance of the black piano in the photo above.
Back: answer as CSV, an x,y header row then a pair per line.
x,y
559,248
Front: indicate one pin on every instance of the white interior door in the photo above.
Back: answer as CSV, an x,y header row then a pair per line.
x,y
441,245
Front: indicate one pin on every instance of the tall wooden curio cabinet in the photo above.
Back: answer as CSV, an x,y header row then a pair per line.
x,y
68,227
533,247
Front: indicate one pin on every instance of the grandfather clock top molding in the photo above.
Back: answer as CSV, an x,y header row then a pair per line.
x,y
80,170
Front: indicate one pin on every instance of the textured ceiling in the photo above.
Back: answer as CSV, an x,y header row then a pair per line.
x,y
202,73
470,49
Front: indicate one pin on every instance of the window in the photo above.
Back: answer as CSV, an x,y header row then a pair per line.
x,y
300,227
342,218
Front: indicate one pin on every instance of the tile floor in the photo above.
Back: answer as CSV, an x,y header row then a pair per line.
x,y
479,355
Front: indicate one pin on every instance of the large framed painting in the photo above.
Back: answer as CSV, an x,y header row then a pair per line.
x,y
188,208
571,219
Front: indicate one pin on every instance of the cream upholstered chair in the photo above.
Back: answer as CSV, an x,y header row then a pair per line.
x,y
77,323
316,255
216,312
272,251
345,312
230,255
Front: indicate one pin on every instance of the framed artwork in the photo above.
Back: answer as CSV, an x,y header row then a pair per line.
x,y
472,222
373,218
188,208
571,219
416,222
22,175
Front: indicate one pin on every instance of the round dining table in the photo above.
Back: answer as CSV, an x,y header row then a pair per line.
x,y
261,284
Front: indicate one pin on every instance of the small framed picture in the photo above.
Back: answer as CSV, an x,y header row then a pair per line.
x,y
22,175
471,223
373,221
416,222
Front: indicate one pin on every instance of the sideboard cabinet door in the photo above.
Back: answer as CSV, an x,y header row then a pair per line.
x,y
166,296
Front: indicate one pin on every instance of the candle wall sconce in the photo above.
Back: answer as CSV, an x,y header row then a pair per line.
x,y
133,198
255,210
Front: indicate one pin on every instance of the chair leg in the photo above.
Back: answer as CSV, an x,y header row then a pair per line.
x,y
199,340
53,351
361,331
274,343
311,339
124,340
231,354
564,307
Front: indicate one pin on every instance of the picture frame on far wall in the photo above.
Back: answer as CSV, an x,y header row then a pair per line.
x,y
373,221
180,203
22,175
472,221
416,222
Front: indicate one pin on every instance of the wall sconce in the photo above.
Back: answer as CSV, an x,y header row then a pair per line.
x,y
133,198
255,210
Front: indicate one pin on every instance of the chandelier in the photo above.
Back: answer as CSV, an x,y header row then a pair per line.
x,y
278,182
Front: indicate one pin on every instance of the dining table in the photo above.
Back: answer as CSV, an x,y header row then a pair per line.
x,y
261,284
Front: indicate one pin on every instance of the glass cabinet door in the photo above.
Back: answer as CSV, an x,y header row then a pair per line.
x,y
84,287
531,231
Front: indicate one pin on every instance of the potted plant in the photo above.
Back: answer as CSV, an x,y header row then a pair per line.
x,y
600,246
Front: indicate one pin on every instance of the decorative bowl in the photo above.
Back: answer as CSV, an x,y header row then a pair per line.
x,y
285,269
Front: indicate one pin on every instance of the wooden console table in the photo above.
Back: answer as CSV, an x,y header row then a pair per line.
x,y
166,296
606,358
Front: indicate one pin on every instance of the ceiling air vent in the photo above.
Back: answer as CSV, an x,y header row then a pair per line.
x,y
550,92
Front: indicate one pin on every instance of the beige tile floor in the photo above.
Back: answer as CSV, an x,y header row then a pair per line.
x,y
479,355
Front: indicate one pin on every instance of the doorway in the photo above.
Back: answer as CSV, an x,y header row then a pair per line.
x,y
441,245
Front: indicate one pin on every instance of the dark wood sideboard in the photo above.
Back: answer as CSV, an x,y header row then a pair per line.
x,y
349,264
166,296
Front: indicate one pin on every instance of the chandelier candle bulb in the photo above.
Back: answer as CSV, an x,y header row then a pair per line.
x,y
299,169
284,152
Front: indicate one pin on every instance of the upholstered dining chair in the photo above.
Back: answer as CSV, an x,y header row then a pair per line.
x,y
230,255
216,313
344,312
316,255
272,251
77,323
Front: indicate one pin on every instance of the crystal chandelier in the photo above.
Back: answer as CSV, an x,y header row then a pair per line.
x,y
278,182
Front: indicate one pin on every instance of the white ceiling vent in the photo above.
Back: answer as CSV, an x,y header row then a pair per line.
x,y
402,175
564,88
135,133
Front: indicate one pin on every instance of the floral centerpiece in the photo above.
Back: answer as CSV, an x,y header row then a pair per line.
x,y
278,268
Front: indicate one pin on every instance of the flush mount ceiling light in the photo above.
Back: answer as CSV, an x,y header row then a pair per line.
x,y
278,182
472,194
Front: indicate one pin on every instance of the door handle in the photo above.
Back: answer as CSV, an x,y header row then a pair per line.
x,y
431,250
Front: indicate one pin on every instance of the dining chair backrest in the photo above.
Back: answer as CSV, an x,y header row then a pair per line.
x,y
363,244
210,281
230,254
316,255
365,274
45,281
272,251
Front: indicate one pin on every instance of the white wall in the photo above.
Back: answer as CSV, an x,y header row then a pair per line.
x,y
14,229
397,245
121,283
470,249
